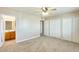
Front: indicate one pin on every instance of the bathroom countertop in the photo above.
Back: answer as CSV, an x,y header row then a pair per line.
x,y
9,30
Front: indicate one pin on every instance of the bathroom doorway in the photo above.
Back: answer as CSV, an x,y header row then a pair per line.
x,y
9,28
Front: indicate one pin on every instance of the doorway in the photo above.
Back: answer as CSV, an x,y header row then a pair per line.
x,y
41,28
9,28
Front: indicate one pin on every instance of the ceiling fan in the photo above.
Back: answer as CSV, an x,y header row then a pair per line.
x,y
45,10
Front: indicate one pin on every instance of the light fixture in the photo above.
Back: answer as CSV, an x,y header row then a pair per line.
x,y
44,11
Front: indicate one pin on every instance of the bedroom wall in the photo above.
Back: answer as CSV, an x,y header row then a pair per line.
x,y
65,26
1,31
27,25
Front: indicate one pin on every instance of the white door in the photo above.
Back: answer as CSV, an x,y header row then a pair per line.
x,y
47,28
51,27
67,28
56,28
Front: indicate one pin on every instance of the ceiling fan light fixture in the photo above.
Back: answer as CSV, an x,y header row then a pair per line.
x,y
44,13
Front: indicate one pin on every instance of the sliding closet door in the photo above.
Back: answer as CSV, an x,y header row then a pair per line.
x,y
51,27
47,27
67,28
56,27
40,27
76,29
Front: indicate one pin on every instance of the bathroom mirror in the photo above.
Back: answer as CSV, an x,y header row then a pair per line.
x,y
8,25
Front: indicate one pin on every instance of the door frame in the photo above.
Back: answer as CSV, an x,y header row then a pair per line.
x,y
3,29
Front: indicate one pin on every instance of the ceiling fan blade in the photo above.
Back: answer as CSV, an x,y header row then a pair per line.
x,y
44,9
51,8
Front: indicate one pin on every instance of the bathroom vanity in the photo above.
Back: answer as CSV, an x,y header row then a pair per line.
x,y
9,35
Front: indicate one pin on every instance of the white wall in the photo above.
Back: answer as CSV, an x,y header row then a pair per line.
x,y
1,31
65,26
27,25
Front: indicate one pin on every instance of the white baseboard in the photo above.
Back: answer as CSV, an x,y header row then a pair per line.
x,y
32,37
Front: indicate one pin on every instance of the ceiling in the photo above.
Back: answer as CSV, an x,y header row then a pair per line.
x,y
37,10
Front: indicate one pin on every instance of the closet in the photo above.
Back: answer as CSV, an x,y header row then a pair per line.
x,y
67,28
64,27
47,27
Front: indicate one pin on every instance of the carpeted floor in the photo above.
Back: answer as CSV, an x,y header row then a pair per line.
x,y
41,44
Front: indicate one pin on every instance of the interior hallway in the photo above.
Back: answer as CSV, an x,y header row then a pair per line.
x,y
43,44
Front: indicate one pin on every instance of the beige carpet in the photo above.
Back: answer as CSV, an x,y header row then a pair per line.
x,y
41,44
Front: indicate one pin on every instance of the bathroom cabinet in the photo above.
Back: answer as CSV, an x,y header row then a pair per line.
x,y
9,35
